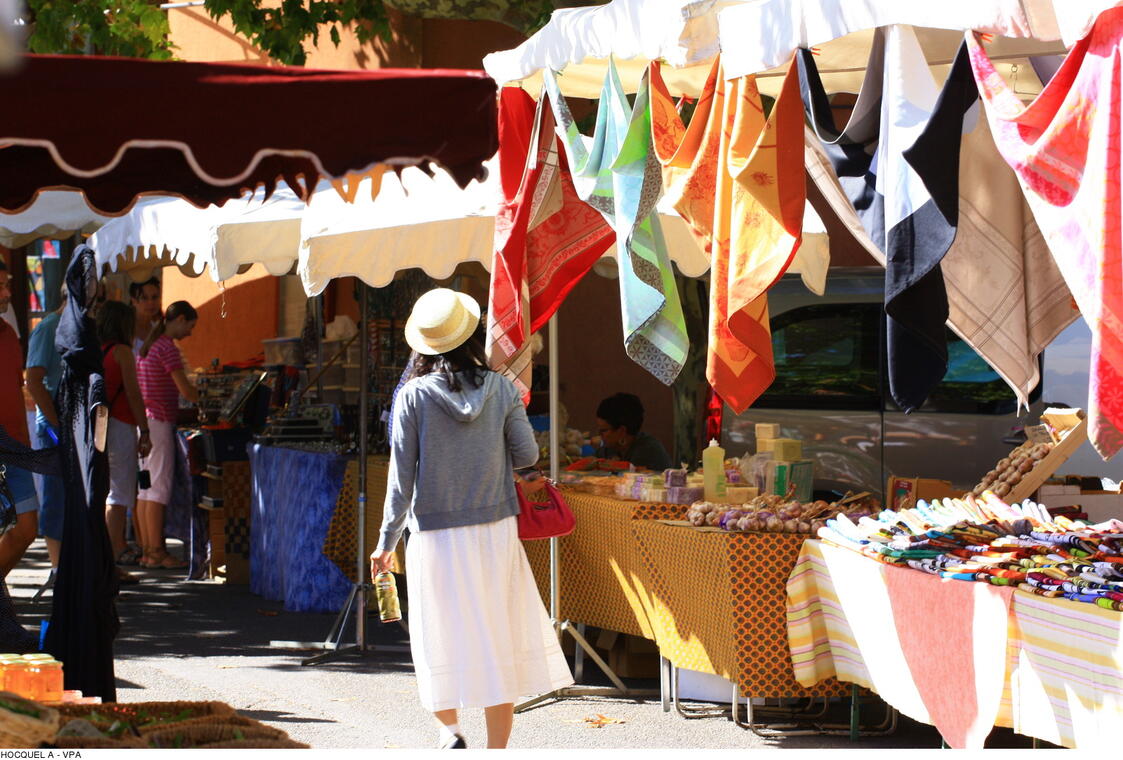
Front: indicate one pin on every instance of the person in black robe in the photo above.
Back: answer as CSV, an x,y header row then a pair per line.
x,y
84,619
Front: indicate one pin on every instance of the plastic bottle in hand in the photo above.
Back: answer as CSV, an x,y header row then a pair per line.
x,y
386,589
713,472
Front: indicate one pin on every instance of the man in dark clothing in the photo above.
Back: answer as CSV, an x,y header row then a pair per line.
x,y
619,419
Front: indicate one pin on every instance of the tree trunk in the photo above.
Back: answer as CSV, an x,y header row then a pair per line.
x,y
690,387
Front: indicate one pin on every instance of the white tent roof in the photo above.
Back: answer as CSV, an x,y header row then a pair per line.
x,y
54,214
760,35
416,220
430,224
225,239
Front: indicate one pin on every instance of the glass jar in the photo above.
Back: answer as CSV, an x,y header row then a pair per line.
x,y
5,660
18,678
47,680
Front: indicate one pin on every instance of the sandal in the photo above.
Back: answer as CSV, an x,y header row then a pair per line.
x,y
165,561
129,557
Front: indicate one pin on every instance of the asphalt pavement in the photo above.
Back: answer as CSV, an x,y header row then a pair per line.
x,y
202,640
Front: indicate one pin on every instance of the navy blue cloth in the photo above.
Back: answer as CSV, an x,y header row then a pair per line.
x,y
183,518
293,499
916,305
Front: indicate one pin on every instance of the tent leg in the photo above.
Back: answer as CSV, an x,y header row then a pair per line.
x,y
566,626
361,586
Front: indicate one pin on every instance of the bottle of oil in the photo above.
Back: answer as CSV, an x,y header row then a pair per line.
x,y
713,472
386,589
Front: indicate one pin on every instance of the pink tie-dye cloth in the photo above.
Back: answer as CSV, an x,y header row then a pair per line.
x,y
1065,149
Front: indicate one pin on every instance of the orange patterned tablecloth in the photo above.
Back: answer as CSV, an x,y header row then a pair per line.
x,y
339,543
601,571
717,605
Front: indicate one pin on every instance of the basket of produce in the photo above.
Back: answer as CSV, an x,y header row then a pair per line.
x,y
205,734
123,718
25,724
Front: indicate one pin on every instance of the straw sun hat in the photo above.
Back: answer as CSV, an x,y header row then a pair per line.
x,y
441,320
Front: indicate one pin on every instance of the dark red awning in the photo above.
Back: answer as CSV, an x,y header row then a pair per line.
x,y
116,127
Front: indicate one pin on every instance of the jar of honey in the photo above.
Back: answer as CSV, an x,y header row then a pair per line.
x,y
47,680
5,659
18,678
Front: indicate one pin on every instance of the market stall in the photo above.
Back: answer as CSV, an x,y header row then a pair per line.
x,y
168,149
1049,668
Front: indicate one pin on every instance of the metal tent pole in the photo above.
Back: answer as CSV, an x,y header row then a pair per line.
x,y
358,597
565,626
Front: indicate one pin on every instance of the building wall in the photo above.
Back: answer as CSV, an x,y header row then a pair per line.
x,y
233,318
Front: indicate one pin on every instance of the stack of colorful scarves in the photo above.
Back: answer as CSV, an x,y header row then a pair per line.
x,y
986,540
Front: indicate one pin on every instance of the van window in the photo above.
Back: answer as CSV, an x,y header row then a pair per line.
x,y
970,385
826,358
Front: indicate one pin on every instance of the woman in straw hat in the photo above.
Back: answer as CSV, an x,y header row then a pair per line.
x,y
479,634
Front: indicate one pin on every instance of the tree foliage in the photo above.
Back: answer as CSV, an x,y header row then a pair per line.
x,y
139,28
131,28
281,31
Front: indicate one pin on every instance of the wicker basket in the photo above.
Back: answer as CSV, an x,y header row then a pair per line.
x,y
206,734
89,742
257,744
148,716
21,731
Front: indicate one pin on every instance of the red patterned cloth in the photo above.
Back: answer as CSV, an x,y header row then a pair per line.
x,y
1065,149
546,238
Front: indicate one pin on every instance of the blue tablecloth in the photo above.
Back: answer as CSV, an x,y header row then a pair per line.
x,y
294,495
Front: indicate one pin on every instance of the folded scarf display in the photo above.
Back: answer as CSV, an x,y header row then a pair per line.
x,y
737,178
1065,149
546,239
617,174
1049,557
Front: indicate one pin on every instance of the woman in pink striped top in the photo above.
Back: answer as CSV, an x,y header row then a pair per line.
x,y
162,381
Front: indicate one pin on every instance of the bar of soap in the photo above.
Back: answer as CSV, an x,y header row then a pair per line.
x,y
787,449
767,430
674,478
740,494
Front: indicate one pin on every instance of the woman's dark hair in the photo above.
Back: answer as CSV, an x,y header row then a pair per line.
x,y
136,289
116,323
469,359
175,311
181,309
622,409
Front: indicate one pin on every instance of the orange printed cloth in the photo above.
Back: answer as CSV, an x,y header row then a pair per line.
x,y
546,238
1065,149
737,178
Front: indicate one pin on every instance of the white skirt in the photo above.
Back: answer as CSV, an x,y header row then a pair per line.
x,y
479,633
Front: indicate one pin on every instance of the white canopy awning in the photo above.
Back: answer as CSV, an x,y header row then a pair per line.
x,y
226,239
430,224
762,34
757,36
54,214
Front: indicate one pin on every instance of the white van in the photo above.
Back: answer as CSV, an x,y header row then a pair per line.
x,y
832,394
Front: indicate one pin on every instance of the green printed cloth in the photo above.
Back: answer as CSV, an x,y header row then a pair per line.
x,y
618,174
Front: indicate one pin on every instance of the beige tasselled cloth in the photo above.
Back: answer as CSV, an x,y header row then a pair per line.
x,y
1006,296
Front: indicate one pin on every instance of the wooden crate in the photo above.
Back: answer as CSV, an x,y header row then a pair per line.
x,y
1071,431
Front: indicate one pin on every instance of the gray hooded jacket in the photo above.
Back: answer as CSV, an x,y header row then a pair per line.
x,y
453,454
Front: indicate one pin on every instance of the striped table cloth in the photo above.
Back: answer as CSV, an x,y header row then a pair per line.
x,y
961,656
